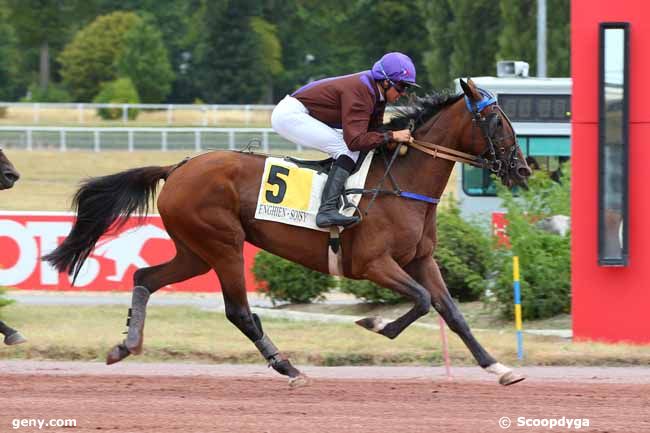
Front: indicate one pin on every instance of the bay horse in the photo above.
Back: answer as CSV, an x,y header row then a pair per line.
x,y
208,205
8,177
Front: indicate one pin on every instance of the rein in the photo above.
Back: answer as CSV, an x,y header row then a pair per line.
x,y
438,151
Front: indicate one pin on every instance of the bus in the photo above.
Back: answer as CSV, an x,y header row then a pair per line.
x,y
540,111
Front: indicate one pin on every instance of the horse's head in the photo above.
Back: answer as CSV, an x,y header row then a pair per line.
x,y
492,136
8,174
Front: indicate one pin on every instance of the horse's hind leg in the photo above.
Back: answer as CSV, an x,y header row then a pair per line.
x,y
12,337
387,273
183,266
426,272
230,269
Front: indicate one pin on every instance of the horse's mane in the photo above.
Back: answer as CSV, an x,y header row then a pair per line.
x,y
420,110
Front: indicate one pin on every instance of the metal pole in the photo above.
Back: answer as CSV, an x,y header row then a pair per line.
x,y
517,289
541,38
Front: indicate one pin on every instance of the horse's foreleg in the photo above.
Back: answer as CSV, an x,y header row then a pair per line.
x,y
231,276
12,337
387,273
146,281
426,272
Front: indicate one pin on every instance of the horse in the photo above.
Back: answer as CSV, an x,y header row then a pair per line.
x,y
208,204
8,176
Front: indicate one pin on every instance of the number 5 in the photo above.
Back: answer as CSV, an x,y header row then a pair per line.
x,y
275,180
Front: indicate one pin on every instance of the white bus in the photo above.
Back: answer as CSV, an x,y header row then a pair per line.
x,y
540,110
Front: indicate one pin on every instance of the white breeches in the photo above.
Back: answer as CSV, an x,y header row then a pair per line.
x,y
292,121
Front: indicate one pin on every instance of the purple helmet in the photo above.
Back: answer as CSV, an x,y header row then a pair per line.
x,y
395,67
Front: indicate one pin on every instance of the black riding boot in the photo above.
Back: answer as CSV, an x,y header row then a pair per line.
x,y
328,212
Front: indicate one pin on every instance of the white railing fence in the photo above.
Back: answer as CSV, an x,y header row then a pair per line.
x,y
82,113
130,139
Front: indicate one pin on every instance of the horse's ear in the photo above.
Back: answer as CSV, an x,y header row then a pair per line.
x,y
469,88
465,87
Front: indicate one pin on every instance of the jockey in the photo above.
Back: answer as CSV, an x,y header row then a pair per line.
x,y
341,116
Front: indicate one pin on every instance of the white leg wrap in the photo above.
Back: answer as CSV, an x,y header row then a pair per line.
x,y
498,369
380,324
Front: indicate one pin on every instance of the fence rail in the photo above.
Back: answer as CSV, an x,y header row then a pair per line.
x,y
130,139
82,113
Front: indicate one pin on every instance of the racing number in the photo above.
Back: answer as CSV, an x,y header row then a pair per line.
x,y
275,180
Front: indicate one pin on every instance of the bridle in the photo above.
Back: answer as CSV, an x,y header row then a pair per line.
x,y
495,158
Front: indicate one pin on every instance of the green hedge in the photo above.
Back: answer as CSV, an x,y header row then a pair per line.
x,y
285,281
463,253
120,91
544,258
369,291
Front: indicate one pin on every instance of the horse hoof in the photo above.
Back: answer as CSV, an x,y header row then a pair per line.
x,y
15,338
117,353
299,381
510,378
374,324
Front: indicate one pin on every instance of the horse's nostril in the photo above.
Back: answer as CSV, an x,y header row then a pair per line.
x,y
524,172
11,176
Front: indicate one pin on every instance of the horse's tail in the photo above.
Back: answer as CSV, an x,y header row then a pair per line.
x,y
101,203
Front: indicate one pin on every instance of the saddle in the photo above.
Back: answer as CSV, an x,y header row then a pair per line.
x,y
324,165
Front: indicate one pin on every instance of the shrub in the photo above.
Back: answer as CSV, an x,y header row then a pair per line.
x,y
121,90
544,258
283,280
463,253
53,93
369,291
3,300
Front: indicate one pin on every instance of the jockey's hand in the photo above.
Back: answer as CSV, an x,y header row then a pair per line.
x,y
403,136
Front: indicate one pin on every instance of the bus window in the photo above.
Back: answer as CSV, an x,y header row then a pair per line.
x,y
478,182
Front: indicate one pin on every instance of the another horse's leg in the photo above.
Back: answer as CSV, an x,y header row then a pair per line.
x,y
183,266
426,271
12,337
387,273
230,269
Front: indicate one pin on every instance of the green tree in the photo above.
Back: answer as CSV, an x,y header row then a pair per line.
x,y
437,18
269,52
91,57
518,37
474,51
46,25
145,60
227,64
382,26
558,38
9,58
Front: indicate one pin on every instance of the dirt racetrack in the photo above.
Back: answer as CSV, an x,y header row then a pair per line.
x,y
161,398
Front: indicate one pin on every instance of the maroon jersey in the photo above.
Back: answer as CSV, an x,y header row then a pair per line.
x,y
352,103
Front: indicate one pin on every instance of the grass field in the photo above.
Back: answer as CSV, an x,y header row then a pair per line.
x,y
191,334
222,118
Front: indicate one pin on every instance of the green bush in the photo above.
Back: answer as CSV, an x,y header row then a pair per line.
x,y
53,93
463,253
544,258
286,281
119,91
3,300
369,291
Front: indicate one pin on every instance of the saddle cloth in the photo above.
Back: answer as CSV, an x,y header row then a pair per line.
x,y
291,194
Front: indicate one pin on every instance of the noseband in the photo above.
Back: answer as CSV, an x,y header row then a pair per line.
x,y
499,163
